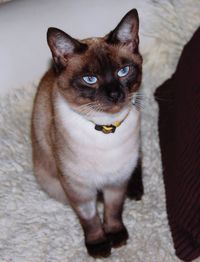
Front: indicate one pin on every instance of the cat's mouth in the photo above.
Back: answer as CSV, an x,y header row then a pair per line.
x,y
94,108
112,109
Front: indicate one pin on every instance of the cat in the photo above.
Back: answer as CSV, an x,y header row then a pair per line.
x,y
85,129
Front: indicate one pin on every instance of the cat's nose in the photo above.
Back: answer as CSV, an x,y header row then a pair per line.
x,y
115,96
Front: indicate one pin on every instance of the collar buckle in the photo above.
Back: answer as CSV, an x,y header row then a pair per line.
x,y
106,129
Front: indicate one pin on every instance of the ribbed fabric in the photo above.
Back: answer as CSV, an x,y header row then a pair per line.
x,y
179,133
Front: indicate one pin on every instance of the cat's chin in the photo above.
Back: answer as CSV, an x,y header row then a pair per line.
x,y
113,109
107,109
108,117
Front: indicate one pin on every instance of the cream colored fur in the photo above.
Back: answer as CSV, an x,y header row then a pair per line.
x,y
95,158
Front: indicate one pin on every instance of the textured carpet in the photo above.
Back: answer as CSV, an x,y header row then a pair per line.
x,y
35,228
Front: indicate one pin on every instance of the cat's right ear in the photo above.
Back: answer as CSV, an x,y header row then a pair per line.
x,y
63,46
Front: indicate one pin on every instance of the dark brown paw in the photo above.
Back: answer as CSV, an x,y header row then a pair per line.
x,y
135,194
99,249
118,238
135,188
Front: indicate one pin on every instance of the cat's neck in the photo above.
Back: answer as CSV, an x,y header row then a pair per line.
x,y
103,118
99,118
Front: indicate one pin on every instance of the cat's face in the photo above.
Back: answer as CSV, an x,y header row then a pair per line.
x,y
99,74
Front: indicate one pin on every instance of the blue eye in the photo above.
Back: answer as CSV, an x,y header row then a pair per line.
x,y
124,71
90,79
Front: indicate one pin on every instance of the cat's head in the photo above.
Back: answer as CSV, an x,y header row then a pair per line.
x,y
100,74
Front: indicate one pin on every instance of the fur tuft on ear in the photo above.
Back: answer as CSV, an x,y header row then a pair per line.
x,y
126,31
62,46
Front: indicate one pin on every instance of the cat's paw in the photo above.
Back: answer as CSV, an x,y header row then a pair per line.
x,y
135,189
135,193
118,238
99,249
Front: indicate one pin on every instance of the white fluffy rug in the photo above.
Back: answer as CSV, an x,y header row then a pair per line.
x,y
35,228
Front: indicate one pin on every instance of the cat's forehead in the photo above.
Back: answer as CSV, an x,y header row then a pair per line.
x,y
93,40
98,46
102,57
101,53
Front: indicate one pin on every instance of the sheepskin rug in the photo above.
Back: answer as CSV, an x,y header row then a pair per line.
x,y
36,228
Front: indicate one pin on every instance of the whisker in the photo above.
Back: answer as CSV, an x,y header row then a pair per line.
x,y
91,108
138,99
163,99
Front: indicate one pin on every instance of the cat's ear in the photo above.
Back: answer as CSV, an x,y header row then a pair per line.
x,y
63,46
126,31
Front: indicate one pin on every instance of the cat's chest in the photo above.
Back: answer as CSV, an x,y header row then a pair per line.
x,y
93,146
91,151
82,136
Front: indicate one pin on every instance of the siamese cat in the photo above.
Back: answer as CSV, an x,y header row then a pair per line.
x,y
85,129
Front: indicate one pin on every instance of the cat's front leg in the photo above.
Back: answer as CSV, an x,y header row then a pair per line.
x,y
97,243
83,200
114,197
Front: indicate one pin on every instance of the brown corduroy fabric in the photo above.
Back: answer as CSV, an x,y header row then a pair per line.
x,y
179,133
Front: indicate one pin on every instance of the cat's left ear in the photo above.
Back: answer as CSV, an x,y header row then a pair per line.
x,y
126,31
